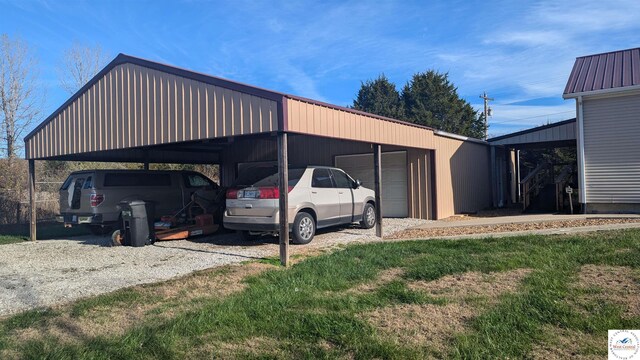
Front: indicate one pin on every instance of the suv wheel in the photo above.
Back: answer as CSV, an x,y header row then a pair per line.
x,y
304,228
368,216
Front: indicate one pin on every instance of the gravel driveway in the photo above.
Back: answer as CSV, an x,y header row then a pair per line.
x,y
49,272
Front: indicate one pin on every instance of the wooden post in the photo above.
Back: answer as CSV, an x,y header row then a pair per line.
x,y
283,185
32,199
377,178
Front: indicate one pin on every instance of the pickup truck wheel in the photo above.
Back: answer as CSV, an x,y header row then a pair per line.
x,y
304,228
116,238
368,216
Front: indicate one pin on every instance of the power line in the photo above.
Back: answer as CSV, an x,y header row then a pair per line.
x,y
487,112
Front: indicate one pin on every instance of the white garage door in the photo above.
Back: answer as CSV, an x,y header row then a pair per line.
x,y
394,178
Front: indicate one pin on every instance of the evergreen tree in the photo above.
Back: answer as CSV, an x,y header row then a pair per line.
x,y
379,97
430,99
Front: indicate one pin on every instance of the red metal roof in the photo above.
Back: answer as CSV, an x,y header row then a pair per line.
x,y
616,69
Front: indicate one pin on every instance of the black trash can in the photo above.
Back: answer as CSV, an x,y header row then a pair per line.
x,y
136,228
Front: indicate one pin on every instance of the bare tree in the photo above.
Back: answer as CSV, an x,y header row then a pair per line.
x,y
79,64
20,98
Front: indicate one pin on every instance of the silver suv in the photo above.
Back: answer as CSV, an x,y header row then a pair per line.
x,y
92,197
319,197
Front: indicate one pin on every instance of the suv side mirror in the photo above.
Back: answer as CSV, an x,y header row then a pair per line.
x,y
357,184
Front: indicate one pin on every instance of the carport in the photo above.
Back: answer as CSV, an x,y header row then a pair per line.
x,y
141,111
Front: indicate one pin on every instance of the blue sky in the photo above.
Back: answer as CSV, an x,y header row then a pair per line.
x,y
520,52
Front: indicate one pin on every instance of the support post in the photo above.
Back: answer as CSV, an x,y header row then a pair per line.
x,y
377,176
518,187
146,165
494,178
32,199
283,185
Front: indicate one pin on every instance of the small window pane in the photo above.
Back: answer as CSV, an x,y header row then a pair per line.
x,y
341,179
66,183
88,184
321,179
194,180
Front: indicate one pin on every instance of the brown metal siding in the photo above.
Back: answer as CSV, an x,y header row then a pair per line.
x,y
134,106
315,119
462,176
419,186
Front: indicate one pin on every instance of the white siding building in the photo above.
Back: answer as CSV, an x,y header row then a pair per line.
x,y
606,88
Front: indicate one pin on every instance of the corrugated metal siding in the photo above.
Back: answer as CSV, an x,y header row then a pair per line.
x,y
419,184
605,71
612,149
562,132
463,180
134,106
316,119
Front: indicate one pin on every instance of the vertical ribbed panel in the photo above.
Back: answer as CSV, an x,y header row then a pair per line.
x,y
463,180
316,119
133,106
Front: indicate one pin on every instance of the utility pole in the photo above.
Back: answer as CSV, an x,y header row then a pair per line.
x,y
487,112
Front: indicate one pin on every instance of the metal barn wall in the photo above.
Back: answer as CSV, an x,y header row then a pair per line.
x,y
315,150
612,149
420,189
134,106
463,181
562,132
325,120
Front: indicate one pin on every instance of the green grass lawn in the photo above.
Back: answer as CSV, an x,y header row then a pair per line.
x,y
535,296
47,230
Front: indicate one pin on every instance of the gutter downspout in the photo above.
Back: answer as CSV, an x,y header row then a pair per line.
x,y
581,172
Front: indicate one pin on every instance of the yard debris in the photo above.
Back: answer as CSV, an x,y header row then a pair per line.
x,y
435,232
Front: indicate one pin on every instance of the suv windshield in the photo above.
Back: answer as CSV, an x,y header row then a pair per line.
x,y
272,178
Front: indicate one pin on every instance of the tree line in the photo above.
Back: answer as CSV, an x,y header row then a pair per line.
x,y
428,98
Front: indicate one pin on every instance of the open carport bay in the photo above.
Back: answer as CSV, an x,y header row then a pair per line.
x,y
50,272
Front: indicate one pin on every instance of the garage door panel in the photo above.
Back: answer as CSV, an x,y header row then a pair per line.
x,y
394,178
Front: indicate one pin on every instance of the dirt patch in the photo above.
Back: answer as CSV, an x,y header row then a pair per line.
x,y
616,284
430,325
166,300
434,325
501,228
472,284
254,347
568,344
385,277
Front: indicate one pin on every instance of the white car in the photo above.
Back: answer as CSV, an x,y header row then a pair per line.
x,y
319,197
